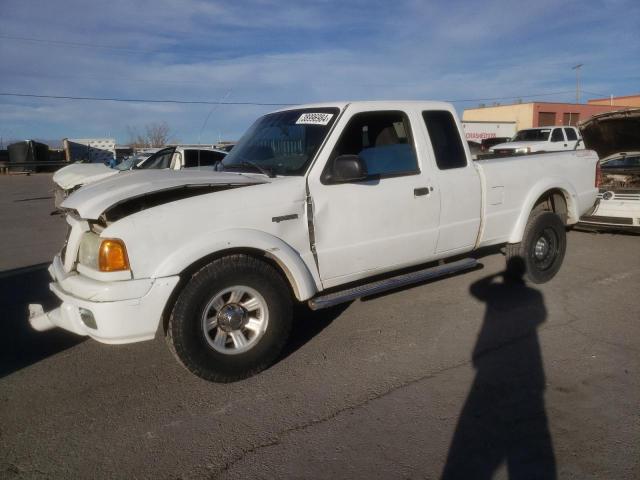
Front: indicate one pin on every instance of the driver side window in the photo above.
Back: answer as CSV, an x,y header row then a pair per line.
x,y
382,140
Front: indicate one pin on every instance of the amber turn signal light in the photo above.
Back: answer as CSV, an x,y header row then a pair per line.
x,y
112,256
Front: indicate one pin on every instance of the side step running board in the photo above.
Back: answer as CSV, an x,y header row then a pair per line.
x,y
380,286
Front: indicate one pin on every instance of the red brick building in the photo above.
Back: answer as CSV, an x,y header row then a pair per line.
x,y
541,114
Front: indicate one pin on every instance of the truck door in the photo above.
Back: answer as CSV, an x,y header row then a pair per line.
x,y
387,221
458,182
572,138
558,142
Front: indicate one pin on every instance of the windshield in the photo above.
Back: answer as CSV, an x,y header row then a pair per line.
x,y
532,135
129,163
160,159
281,143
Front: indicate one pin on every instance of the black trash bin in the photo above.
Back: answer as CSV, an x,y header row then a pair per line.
x,y
28,151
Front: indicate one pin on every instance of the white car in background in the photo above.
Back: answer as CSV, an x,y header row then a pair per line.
x,y
542,139
616,137
70,178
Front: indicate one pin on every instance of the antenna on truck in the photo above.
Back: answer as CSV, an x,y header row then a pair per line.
x,y
213,109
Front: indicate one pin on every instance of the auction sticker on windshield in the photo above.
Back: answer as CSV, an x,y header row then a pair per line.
x,y
314,119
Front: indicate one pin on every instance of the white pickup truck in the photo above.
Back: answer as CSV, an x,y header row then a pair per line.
x,y
541,139
312,204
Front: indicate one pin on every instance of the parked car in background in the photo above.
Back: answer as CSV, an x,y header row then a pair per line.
x,y
616,137
129,163
487,143
227,147
542,139
319,204
475,149
72,177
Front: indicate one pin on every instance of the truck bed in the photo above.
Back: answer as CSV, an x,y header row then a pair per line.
x,y
513,184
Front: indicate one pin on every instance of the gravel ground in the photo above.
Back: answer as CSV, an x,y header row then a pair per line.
x,y
465,377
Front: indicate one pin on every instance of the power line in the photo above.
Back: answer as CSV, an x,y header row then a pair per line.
x,y
76,44
510,97
210,102
595,93
127,51
141,100
210,57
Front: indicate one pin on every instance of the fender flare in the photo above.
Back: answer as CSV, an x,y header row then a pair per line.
x,y
538,191
304,281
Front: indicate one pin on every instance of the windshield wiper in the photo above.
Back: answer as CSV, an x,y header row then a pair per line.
x,y
245,163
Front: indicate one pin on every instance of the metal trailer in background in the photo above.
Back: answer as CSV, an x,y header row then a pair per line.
x,y
89,150
476,131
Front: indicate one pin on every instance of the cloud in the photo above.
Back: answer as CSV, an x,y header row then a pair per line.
x,y
281,52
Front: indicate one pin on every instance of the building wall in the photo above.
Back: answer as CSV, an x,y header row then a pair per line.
x,y
521,113
628,101
572,110
536,114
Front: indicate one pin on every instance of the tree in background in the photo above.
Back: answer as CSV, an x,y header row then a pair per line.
x,y
156,134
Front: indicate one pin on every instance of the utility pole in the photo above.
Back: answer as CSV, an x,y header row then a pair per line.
x,y
577,69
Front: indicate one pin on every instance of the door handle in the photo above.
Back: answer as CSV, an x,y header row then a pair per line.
x,y
417,192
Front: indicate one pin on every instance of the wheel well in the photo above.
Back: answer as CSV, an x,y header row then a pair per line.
x,y
553,201
189,271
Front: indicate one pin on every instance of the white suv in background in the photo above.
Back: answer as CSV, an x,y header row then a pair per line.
x,y
541,139
177,157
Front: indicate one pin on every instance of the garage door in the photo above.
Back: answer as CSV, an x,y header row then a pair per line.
x,y
546,119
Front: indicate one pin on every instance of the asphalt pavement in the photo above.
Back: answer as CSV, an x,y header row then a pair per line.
x,y
466,377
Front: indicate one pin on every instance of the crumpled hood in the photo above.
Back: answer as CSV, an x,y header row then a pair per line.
x,y
612,132
514,145
80,174
92,200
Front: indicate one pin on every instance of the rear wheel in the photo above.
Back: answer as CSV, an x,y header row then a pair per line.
x,y
231,320
543,246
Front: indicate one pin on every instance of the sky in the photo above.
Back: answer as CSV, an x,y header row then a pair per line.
x,y
264,51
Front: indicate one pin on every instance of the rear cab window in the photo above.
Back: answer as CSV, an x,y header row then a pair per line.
x,y
445,139
571,134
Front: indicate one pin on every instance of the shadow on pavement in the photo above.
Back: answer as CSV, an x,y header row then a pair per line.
x,y
309,323
504,418
20,346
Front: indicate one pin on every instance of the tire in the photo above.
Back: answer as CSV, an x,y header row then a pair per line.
x,y
231,320
543,247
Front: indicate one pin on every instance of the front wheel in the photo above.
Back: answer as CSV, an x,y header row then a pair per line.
x,y
543,246
231,320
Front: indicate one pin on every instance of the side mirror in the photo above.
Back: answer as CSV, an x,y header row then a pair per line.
x,y
347,168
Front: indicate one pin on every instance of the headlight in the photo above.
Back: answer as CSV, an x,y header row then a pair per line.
x,y
103,254
523,150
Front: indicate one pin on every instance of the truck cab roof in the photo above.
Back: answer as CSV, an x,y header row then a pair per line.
x,y
376,105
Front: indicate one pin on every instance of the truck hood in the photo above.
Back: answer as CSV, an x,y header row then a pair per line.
x,y
139,189
78,174
612,132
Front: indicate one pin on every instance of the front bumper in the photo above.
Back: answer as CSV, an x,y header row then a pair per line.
x,y
111,312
